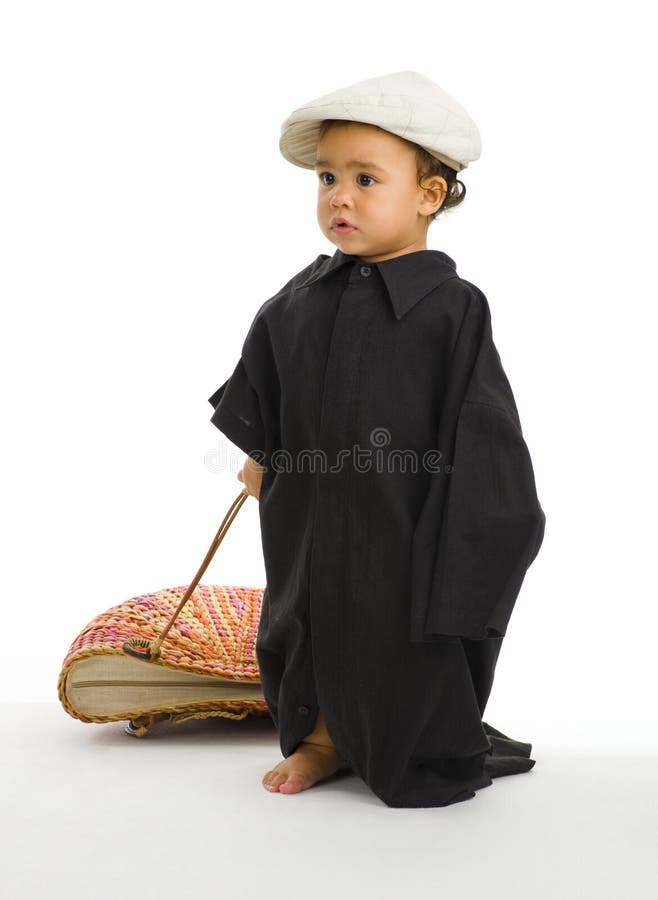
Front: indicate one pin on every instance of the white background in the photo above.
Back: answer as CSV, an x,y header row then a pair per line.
x,y
145,215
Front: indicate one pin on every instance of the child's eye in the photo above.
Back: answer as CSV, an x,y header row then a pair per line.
x,y
361,175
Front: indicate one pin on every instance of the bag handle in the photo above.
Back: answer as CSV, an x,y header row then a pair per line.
x,y
151,651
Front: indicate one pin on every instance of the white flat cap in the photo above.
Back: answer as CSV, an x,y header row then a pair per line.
x,y
405,103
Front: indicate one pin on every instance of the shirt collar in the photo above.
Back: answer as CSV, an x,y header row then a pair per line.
x,y
408,278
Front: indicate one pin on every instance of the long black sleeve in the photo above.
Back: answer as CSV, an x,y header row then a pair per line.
x,y
481,525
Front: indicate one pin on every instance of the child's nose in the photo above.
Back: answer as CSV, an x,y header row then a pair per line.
x,y
340,196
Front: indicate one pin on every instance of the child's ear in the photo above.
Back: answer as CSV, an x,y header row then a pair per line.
x,y
435,182
437,190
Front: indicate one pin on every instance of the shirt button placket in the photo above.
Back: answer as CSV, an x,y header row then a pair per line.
x,y
331,534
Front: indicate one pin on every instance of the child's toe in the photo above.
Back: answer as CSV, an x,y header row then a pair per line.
x,y
294,783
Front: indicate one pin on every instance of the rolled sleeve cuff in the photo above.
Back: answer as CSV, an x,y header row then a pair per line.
x,y
249,439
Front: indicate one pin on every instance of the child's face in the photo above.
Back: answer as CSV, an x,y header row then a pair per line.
x,y
385,204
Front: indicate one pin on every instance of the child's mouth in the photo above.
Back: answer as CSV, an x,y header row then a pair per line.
x,y
343,229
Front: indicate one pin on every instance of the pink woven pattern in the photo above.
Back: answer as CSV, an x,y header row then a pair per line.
x,y
214,633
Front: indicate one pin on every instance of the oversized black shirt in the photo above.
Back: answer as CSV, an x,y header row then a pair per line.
x,y
398,514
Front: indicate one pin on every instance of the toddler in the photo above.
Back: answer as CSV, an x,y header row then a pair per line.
x,y
396,494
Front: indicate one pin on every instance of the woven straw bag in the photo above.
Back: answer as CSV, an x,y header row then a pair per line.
x,y
121,667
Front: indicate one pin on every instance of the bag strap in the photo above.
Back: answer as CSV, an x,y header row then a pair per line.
x,y
151,650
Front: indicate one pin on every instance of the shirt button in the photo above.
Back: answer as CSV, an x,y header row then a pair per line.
x,y
304,710
365,271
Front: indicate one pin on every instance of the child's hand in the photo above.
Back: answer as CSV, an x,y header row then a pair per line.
x,y
251,475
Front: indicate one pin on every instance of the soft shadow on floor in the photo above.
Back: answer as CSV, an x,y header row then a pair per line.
x,y
90,812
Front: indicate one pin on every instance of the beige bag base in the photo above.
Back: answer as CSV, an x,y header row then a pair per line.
x,y
117,685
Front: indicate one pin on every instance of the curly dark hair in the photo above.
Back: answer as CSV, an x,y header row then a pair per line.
x,y
426,166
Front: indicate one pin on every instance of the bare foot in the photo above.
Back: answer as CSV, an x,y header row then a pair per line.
x,y
309,764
